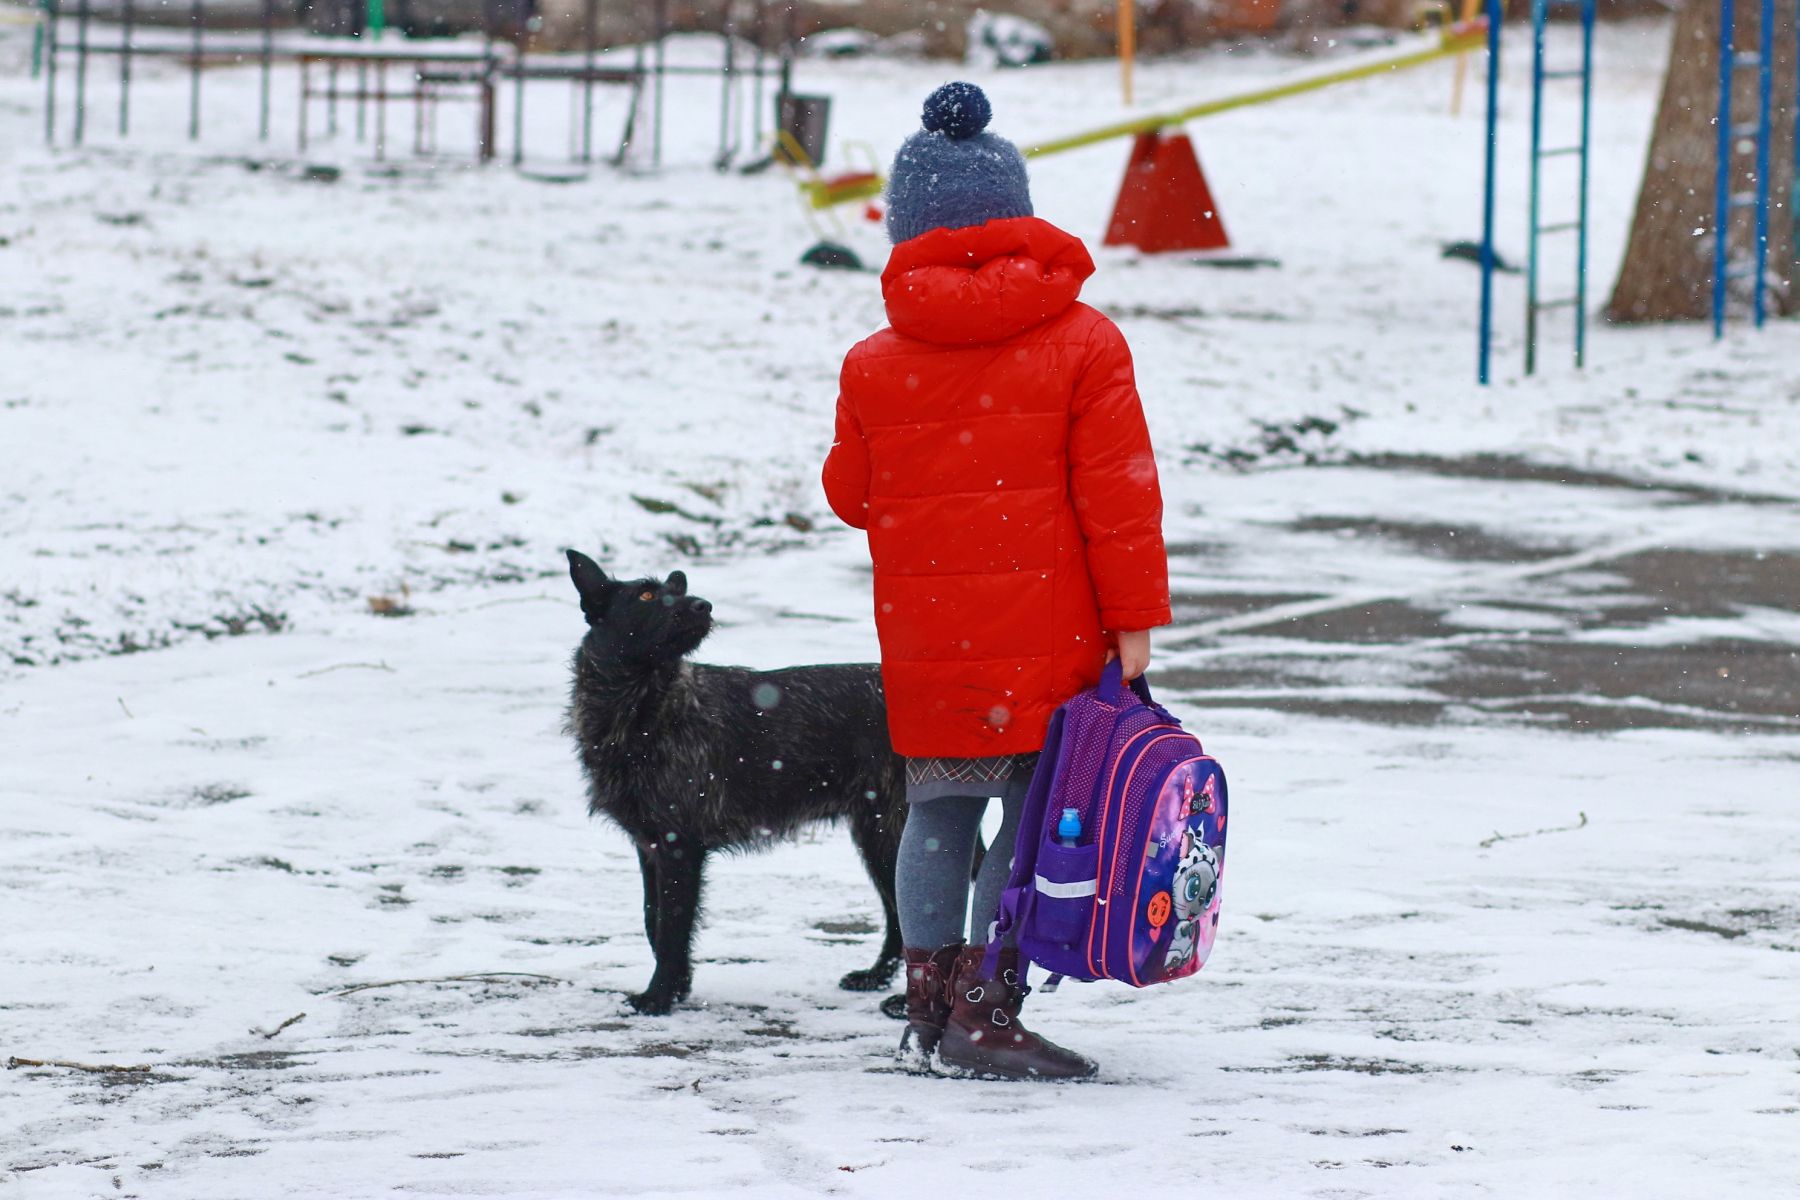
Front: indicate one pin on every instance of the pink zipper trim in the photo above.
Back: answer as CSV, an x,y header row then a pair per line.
x,y
1106,937
1100,843
1138,895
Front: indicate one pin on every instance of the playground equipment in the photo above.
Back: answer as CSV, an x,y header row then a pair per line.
x,y
1536,230
1726,202
1163,203
820,195
433,70
1540,13
1455,39
1736,139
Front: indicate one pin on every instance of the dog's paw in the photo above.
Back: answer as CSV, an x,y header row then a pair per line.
x,y
895,1006
872,979
651,1004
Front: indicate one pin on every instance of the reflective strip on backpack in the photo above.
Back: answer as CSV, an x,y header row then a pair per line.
x,y
1066,891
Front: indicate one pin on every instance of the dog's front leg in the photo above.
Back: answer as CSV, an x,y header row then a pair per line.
x,y
679,866
646,852
880,848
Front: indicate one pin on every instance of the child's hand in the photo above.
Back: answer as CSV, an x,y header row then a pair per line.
x,y
1133,652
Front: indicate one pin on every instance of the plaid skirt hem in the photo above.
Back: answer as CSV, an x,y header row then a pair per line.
x,y
931,777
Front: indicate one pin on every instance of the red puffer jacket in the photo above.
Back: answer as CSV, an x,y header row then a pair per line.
x,y
992,443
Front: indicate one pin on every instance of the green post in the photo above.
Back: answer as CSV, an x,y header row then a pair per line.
x,y
377,18
37,40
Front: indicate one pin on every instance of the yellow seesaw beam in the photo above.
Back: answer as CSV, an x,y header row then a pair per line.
x,y
1458,39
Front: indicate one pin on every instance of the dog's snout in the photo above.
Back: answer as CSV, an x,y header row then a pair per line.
x,y
703,607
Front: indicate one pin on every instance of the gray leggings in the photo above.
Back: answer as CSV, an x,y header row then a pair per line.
x,y
937,850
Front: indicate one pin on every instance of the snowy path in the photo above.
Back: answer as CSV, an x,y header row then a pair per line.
x,y
1452,590
1601,1011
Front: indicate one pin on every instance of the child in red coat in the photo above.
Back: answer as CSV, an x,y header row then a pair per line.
x,y
991,442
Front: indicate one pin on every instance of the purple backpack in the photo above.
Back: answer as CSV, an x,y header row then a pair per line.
x,y
1121,844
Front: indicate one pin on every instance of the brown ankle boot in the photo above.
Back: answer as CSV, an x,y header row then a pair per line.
x,y
983,1035
928,982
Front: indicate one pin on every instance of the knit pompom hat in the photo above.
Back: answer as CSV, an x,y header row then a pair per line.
x,y
951,173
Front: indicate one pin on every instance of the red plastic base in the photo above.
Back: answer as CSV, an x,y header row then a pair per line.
x,y
1164,203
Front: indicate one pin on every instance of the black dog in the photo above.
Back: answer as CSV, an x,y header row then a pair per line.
x,y
690,759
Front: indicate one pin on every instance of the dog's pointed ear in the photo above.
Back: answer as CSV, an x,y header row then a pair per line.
x,y
677,583
595,588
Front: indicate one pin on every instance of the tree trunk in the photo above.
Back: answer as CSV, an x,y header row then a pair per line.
x,y
1667,275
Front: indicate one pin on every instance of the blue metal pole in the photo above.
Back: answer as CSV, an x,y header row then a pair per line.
x,y
1765,134
1722,183
1495,12
1581,228
1540,14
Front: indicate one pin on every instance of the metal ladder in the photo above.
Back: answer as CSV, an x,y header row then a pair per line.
x,y
1540,14
1726,203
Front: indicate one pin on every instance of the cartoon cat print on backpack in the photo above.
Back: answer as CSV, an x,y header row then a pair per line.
x,y
1196,882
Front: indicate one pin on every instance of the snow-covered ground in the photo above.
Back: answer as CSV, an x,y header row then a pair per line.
x,y
238,397
251,398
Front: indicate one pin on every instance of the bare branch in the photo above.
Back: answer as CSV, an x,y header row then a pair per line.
x,y
293,1020
349,666
13,1064
1513,837
480,977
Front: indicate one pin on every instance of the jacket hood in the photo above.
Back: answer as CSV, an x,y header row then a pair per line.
x,y
983,283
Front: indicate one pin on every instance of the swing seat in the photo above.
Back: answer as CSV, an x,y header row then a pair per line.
x,y
828,192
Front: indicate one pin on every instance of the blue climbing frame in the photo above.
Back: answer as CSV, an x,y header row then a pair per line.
x,y
1732,134
1536,228
1578,224
1732,137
